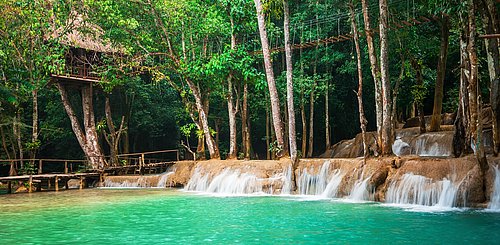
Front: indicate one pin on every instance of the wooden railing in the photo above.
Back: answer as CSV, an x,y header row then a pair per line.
x,y
72,166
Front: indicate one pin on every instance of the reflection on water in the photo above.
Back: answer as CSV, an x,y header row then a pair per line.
x,y
144,216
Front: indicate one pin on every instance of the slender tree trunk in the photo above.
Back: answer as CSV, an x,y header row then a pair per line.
x,y
12,170
304,123
245,137
359,94
311,122
114,136
232,108
34,134
268,136
212,148
491,26
417,101
289,84
16,126
441,72
375,70
386,82
474,94
273,92
327,116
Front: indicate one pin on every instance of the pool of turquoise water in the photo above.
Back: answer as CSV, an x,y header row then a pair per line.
x,y
150,216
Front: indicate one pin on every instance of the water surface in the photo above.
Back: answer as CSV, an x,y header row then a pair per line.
x,y
148,216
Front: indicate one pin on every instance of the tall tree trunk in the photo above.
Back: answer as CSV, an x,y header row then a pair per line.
x,y
268,136
212,147
311,122
12,170
417,101
273,92
491,26
245,134
114,136
375,70
304,123
88,138
386,82
16,126
96,157
474,94
327,116
461,136
441,72
359,94
289,84
232,107
34,132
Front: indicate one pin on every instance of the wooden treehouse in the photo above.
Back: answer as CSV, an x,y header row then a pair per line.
x,y
83,59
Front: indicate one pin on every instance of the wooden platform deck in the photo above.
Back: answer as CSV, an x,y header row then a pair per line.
x,y
49,179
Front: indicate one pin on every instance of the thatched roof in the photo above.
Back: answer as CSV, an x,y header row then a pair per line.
x,y
79,33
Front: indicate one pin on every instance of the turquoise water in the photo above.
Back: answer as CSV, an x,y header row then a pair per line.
x,y
151,216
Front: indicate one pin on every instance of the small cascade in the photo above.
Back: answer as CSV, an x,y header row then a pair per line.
x,y
313,184
361,190
321,184
146,181
332,188
233,182
437,144
287,181
163,180
419,190
495,198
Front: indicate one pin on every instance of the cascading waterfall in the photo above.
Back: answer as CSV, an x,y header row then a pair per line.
x,y
321,184
361,190
147,181
419,190
233,182
332,188
313,184
287,181
495,198
431,145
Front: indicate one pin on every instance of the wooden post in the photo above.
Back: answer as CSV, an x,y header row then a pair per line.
x,y
30,183
48,184
66,184
56,183
65,167
177,153
9,187
81,182
40,166
71,167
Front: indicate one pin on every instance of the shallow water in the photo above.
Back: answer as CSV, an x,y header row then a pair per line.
x,y
147,216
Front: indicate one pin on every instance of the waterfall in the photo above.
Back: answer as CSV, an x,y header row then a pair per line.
x,y
495,198
287,182
419,190
313,184
437,144
233,182
163,180
332,188
321,184
146,181
361,190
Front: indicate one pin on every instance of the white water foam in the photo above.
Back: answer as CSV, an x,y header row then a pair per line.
x,y
323,184
233,182
361,191
141,182
418,190
495,197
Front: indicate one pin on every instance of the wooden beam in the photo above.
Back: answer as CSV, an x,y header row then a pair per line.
x,y
489,36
